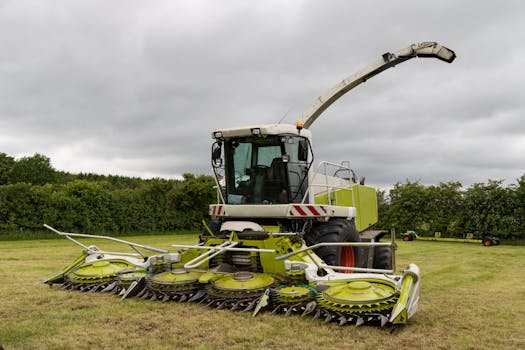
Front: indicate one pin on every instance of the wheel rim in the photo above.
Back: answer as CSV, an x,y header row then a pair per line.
x,y
406,238
347,258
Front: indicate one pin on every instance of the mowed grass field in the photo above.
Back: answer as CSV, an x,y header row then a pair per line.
x,y
472,297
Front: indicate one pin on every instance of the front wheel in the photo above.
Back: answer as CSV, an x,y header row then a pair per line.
x,y
335,230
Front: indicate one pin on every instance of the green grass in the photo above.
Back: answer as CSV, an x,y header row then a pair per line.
x,y
472,297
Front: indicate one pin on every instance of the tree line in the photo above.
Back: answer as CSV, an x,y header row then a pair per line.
x,y
32,193
454,211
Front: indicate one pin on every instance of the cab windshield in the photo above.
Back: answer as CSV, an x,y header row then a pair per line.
x,y
265,170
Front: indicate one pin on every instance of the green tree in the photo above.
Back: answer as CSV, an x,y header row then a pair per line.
x,y
127,210
408,208
520,206
443,205
192,198
6,166
36,170
91,206
383,206
156,214
22,207
489,209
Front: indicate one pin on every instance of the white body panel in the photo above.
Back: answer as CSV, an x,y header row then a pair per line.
x,y
267,129
323,212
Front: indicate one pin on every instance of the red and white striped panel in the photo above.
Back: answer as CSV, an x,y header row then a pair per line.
x,y
297,210
217,210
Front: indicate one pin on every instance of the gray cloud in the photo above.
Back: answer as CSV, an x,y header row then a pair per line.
x,y
135,88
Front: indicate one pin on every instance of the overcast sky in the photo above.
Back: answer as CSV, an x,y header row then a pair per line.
x,y
136,87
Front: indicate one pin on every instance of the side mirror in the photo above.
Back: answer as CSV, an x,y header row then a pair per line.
x,y
303,150
216,153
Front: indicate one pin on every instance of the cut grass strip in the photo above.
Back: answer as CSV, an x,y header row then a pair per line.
x,y
471,298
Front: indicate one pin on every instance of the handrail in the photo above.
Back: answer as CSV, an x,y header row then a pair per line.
x,y
209,254
392,245
216,250
92,250
337,244
324,173
227,248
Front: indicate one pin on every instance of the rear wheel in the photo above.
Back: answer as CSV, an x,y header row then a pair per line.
x,y
487,241
409,236
336,230
490,241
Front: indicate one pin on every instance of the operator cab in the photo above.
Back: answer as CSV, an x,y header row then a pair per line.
x,y
262,169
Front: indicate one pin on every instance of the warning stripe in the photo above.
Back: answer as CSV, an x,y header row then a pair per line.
x,y
299,210
315,212
307,210
217,210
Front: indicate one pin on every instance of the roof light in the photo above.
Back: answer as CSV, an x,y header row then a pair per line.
x,y
217,135
299,126
256,131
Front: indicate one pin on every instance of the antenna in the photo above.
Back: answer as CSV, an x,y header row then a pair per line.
x,y
285,115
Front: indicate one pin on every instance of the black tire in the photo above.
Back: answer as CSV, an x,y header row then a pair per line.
x,y
407,237
490,241
382,258
487,241
335,230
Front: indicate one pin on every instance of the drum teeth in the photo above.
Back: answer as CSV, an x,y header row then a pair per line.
x,y
309,308
198,295
110,287
356,302
251,305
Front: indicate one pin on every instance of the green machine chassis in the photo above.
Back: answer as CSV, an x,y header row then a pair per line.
x,y
250,271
